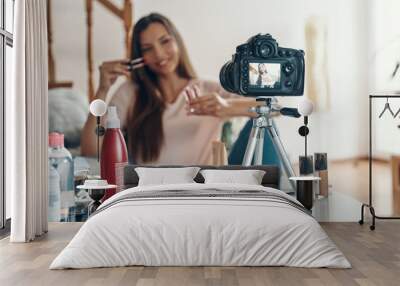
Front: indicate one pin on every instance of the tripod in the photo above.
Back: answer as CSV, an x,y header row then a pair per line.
x,y
263,122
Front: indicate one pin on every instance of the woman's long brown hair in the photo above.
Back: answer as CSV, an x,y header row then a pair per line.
x,y
145,127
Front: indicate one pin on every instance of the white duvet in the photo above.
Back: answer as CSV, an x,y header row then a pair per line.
x,y
192,231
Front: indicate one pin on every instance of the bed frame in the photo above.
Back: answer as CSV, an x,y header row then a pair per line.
x,y
270,179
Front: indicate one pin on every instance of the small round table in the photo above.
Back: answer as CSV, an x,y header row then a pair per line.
x,y
304,192
96,189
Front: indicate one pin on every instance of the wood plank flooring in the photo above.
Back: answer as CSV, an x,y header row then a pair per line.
x,y
374,255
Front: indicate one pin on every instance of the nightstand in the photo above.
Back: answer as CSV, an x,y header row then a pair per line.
x,y
304,190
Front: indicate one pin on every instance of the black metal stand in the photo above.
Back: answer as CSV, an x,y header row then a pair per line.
x,y
369,205
96,195
305,194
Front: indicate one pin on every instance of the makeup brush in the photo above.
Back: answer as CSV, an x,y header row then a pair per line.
x,y
135,64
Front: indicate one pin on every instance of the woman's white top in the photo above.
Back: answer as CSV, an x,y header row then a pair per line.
x,y
188,138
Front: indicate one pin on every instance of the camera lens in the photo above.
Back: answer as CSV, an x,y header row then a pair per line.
x,y
226,76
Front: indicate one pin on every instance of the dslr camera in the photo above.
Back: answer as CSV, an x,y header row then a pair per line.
x,y
261,68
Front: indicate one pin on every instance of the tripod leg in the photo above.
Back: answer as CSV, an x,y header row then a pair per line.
x,y
259,147
251,145
287,166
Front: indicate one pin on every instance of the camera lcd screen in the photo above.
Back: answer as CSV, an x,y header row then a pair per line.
x,y
265,75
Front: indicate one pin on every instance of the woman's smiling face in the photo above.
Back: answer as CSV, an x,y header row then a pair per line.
x,y
159,49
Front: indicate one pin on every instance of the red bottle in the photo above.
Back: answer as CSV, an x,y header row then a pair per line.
x,y
114,154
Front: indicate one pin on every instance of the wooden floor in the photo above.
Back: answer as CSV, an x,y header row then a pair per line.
x,y
374,255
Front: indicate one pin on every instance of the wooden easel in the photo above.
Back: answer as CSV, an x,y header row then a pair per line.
x,y
53,83
125,14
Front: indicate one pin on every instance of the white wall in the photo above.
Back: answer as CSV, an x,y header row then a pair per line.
x,y
384,54
212,30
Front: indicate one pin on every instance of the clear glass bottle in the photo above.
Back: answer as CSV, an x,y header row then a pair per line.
x,y
61,160
54,194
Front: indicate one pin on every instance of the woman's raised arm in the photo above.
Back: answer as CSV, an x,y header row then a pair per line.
x,y
109,72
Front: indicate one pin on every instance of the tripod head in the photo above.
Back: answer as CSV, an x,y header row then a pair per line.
x,y
271,105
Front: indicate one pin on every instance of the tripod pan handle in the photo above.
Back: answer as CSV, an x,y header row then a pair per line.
x,y
292,112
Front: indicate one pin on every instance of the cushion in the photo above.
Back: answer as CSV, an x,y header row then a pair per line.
x,y
68,111
162,176
248,177
270,179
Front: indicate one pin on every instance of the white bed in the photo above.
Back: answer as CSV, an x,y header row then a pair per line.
x,y
247,225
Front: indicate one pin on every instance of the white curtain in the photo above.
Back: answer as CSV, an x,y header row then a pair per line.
x,y
27,123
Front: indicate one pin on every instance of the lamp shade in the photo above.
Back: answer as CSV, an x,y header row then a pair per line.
x,y
98,107
305,107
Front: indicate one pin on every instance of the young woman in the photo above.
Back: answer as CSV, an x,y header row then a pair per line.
x,y
170,116
264,79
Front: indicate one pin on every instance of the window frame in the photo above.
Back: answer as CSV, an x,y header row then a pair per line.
x,y
6,39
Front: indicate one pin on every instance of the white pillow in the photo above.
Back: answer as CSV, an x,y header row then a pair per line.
x,y
248,177
162,176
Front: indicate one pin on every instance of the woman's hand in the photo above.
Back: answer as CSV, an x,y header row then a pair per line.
x,y
110,71
207,104
215,105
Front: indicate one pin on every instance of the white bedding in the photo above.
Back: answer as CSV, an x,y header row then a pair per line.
x,y
183,231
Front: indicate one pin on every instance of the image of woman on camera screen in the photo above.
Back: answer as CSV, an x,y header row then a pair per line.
x,y
169,115
264,77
